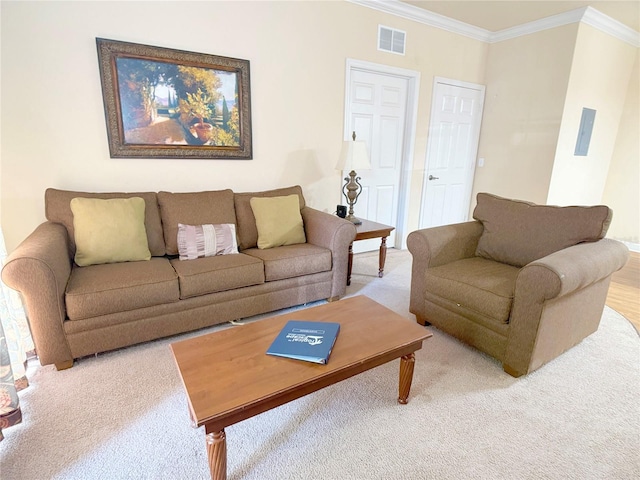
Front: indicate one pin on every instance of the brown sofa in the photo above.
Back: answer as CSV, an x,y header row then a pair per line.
x,y
76,311
522,283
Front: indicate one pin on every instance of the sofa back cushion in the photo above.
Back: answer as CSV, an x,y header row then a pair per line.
x,y
247,230
58,209
518,232
197,208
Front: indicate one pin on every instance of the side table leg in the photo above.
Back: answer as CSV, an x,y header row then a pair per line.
x,y
406,377
350,264
383,256
217,451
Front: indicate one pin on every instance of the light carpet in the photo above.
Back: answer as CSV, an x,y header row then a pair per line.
x,y
123,414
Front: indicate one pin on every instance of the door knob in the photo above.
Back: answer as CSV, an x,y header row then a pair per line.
x,y
431,177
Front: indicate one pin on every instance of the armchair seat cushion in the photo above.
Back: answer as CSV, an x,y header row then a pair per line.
x,y
290,261
475,284
120,287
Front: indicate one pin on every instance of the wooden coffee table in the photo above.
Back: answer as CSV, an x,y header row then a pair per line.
x,y
228,377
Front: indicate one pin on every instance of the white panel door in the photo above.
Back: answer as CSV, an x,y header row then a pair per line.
x,y
377,114
456,116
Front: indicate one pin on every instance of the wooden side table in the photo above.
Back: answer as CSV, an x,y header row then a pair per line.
x,y
366,230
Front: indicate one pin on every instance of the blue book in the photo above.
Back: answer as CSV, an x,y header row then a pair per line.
x,y
308,341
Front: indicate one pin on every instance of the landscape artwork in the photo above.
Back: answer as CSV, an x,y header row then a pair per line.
x,y
173,104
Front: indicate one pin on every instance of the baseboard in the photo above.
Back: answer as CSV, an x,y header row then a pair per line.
x,y
634,247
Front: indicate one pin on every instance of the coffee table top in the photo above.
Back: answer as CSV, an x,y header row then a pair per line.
x,y
228,376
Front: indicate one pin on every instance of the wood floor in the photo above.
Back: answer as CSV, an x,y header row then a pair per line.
x,y
624,292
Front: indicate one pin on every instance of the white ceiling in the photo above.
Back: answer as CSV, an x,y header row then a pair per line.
x,y
499,15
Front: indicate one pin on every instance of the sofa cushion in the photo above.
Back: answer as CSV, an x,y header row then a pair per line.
x,y
217,274
246,221
58,209
278,221
196,241
518,232
476,284
120,287
109,230
197,208
292,260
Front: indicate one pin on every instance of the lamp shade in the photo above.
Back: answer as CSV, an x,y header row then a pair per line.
x,y
354,156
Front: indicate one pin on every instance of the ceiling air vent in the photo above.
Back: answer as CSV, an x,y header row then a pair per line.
x,y
391,40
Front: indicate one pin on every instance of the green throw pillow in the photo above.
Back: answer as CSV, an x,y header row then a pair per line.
x,y
109,230
278,221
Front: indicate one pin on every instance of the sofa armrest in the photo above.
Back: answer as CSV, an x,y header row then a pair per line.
x,y
558,301
39,269
336,234
431,247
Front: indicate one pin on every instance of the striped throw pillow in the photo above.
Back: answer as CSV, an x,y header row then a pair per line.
x,y
195,241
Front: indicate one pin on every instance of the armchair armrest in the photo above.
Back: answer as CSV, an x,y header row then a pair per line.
x,y
39,269
431,247
440,245
572,268
558,301
336,234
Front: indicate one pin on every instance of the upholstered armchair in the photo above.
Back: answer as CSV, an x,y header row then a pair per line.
x,y
523,282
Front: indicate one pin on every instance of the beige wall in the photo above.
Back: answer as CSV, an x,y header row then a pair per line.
x,y
526,81
536,87
599,80
622,189
54,132
52,117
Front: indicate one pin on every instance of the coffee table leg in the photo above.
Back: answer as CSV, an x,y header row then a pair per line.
x,y
217,450
383,256
406,376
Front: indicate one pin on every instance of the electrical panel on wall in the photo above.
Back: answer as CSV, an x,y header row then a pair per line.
x,y
584,133
391,40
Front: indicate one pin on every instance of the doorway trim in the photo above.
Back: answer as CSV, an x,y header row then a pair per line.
x,y
409,134
458,83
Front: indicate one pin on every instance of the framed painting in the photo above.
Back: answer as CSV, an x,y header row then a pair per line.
x,y
164,103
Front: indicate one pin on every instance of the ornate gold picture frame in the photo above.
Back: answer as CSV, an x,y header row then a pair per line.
x,y
164,103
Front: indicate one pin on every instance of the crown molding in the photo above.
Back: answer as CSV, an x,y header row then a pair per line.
x,y
395,7
606,24
587,15
559,20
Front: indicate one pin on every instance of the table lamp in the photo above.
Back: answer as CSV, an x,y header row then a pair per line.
x,y
353,156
